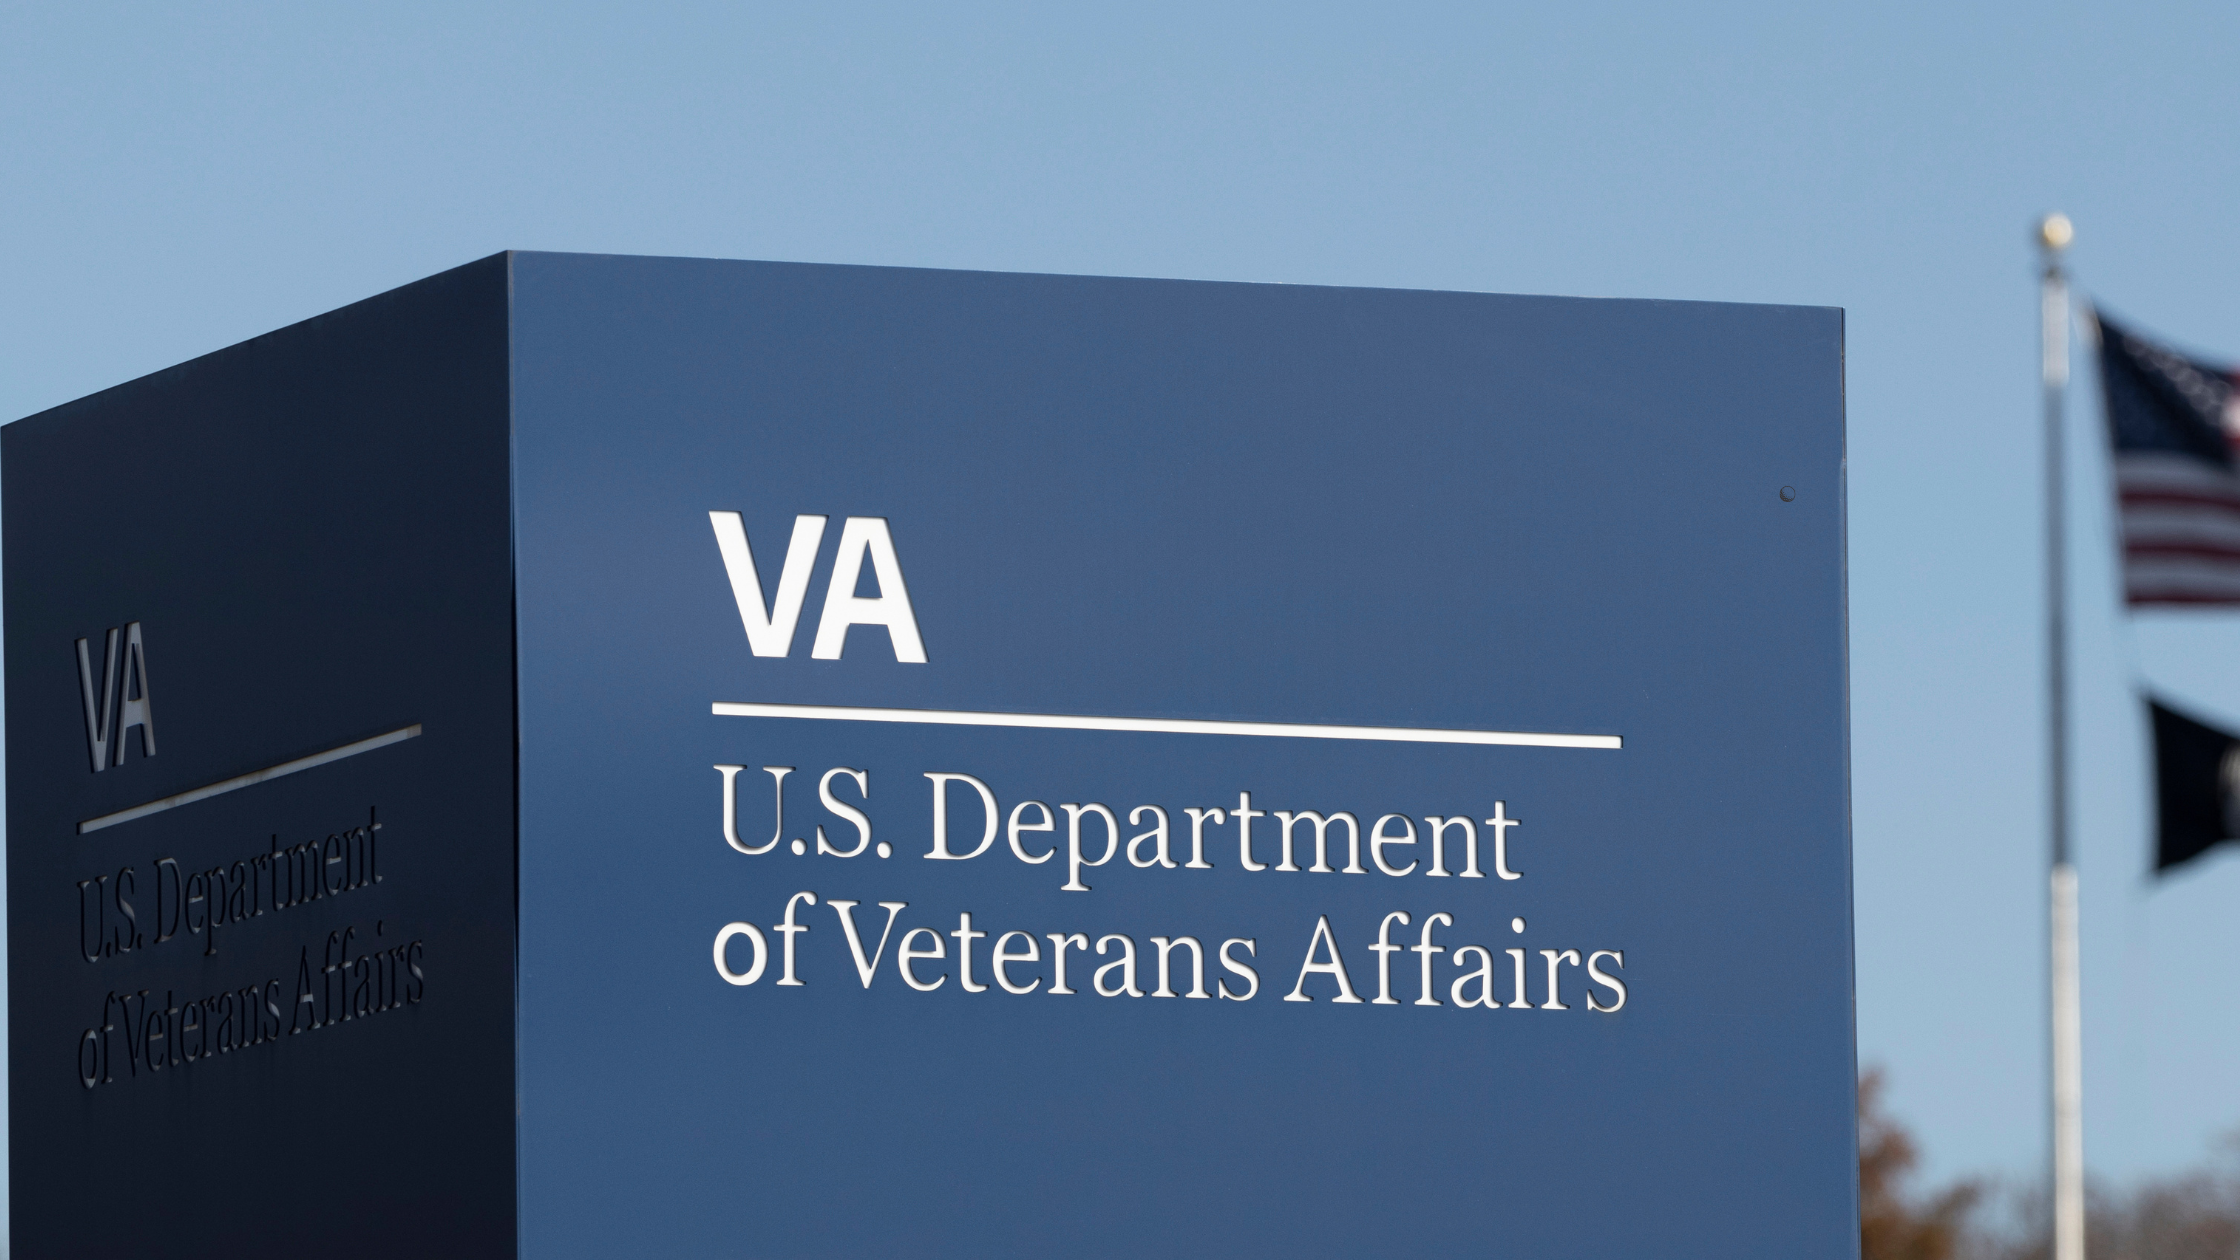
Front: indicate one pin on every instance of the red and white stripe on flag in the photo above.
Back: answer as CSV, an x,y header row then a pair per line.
x,y
2181,529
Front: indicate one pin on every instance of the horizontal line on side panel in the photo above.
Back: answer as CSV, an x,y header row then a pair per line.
x,y
247,780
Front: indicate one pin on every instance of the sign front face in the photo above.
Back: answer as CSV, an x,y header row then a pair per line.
x,y
1022,765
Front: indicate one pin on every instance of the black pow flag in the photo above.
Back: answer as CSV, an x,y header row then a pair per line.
x,y
2197,787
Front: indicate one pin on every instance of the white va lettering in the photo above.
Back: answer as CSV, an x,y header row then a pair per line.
x,y
889,608
769,631
770,627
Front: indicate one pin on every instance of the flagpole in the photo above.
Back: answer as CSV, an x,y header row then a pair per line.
x,y
2054,235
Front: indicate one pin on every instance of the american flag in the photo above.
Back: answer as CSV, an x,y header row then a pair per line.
x,y
2174,424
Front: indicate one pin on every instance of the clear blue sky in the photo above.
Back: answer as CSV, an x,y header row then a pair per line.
x,y
175,180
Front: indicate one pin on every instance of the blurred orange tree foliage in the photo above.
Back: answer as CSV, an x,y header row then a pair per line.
x,y
1894,1224
2191,1215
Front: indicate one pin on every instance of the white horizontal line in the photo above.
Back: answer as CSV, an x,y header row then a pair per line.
x,y
1167,726
253,777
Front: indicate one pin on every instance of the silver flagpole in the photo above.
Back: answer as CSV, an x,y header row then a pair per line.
x,y
2054,234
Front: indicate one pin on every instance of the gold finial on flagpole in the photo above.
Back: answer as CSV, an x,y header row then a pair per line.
x,y
2055,232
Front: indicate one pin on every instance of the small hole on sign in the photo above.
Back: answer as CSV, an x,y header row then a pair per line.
x,y
1788,494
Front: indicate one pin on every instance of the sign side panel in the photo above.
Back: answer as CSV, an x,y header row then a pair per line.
x,y
261,796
